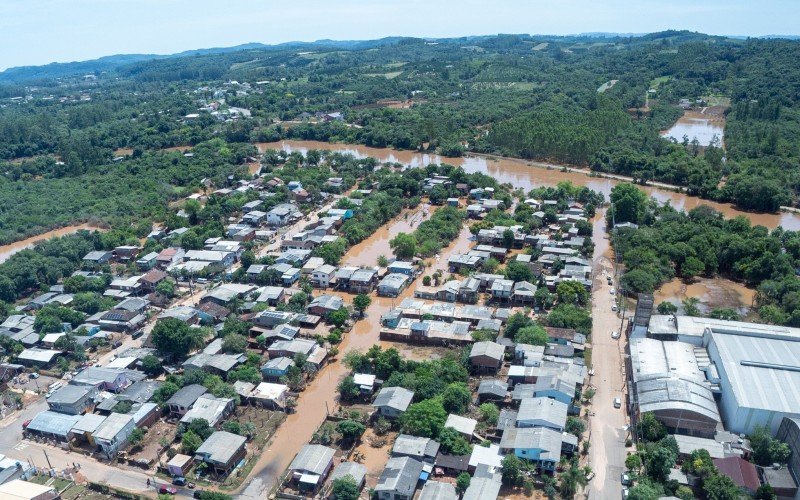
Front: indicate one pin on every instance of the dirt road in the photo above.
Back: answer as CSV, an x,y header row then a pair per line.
x,y
608,432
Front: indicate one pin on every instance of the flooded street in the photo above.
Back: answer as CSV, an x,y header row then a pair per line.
x,y
7,251
704,125
528,174
717,293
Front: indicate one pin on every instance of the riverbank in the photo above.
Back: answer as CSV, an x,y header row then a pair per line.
x,y
529,174
6,251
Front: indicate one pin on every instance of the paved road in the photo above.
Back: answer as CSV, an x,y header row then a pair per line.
x,y
607,452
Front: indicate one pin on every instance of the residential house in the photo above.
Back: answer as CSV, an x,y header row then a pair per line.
x,y
38,357
501,289
254,218
217,364
484,488
180,465
465,426
120,320
322,305
311,465
106,379
420,448
272,295
486,356
219,259
290,348
19,489
492,390
73,399
125,253
365,382
227,292
182,401
97,257
392,284
52,425
222,451
402,267
209,408
265,394
322,276
399,479
362,280
542,412
539,445
392,402
152,278
435,490
740,471
357,472
112,435
276,368
555,386
524,293
170,256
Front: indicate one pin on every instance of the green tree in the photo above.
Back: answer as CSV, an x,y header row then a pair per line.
x,y
692,267
200,427
569,481
151,365
361,302
512,470
765,492
348,390
338,317
721,487
350,430
659,462
766,449
575,426
246,373
489,413
633,462
136,437
190,442
166,288
234,344
667,307
453,443
628,204
424,419
690,306
518,271
345,488
462,482
650,428
456,397
404,246
534,335
174,338
572,292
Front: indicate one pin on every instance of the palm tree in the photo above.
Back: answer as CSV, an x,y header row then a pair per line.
x,y
570,480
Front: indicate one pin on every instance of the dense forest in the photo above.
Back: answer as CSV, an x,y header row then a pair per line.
x,y
669,244
77,140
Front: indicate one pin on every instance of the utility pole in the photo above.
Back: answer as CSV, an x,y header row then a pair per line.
x,y
48,459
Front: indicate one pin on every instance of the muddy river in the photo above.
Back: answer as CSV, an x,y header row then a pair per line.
x,y
7,251
528,174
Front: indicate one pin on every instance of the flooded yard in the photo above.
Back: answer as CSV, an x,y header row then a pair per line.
x,y
7,251
706,125
717,293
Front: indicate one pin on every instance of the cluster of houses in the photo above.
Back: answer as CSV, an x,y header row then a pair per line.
x,y
537,389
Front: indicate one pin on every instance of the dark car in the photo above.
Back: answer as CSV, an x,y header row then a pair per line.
x,y
165,488
180,481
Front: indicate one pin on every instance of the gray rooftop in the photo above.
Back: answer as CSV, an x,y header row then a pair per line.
x,y
541,438
400,476
434,490
549,411
482,488
187,395
50,422
355,470
415,446
221,446
394,397
492,350
313,459
112,426
69,394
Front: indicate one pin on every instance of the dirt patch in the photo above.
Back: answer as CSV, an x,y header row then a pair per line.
x,y
717,293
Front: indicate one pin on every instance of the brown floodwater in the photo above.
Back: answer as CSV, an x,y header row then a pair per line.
x,y
7,251
704,127
320,394
529,174
717,293
367,252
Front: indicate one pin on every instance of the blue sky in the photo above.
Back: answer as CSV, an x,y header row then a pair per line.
x,y
41,31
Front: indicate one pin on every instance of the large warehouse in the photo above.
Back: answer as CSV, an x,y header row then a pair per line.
x,y
753,371
669,382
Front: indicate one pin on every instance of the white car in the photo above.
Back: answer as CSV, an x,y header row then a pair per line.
x,y
614,308
613,291
614,335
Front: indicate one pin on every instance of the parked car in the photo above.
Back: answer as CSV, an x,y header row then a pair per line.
x,y
625,480
617,403
624,493
614,308
167,489
34,375
180,481
615,334
590,476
